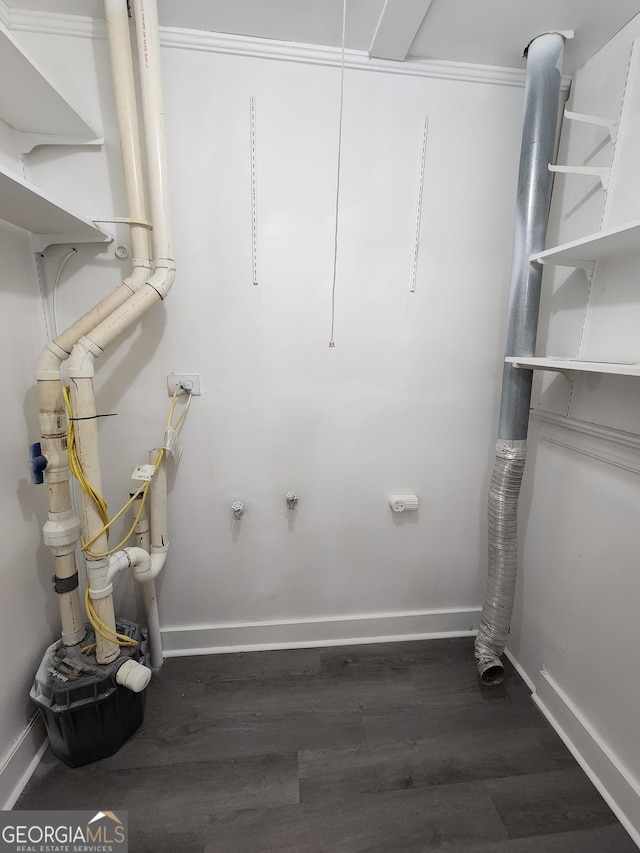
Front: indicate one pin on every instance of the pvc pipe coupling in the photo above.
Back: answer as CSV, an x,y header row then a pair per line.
x,y
61,530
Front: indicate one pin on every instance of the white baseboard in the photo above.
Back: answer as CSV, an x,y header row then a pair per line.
x,y
254,636
20,762
616,784
520,670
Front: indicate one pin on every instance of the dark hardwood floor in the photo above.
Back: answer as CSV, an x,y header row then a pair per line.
x,y
391,748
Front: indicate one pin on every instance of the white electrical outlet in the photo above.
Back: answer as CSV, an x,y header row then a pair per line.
x,y
184,380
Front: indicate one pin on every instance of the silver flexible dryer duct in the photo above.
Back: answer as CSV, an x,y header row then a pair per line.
x,y
541,102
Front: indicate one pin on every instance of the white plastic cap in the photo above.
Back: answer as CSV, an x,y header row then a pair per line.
x,y
133,675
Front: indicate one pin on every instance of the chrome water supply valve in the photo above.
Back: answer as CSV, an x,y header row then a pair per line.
x,y
237,507
292,500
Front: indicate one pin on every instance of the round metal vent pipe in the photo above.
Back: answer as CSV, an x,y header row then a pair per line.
x,y
542,97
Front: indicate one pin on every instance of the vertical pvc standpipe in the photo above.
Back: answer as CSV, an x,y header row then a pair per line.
x,y
542,97
61,531
147,532
93,344
127,111
159,545
148,40
149,597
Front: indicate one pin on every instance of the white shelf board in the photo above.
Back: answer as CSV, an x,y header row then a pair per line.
x,y
31,103
24,205
586,250
569,365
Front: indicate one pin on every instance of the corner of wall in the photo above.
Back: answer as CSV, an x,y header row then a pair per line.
x,y
21,760
613,780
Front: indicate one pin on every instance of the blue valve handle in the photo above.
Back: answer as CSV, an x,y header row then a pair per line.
x,y
37,463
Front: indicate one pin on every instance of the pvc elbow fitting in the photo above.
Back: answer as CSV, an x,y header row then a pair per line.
x,y
158,559
163,277
81,360
49,361
138,275
140,563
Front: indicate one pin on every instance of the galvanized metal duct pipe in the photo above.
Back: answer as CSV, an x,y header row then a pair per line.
x,y
542,96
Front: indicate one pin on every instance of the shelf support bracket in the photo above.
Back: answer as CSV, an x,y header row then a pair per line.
x,y
568,373
587,266
609,124
125,219
603,173
41,242
27,141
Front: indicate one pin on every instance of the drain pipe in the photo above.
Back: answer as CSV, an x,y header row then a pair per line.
x,y
93,344
158,548
150,599
542,97
61,532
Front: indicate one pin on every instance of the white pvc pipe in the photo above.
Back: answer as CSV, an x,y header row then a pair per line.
x,y
127,112
159,528
53,432
90,346
153,624
140,563
147,32
59,349
149,596
101,595
48,366
158,285
133,675
83,407
61,531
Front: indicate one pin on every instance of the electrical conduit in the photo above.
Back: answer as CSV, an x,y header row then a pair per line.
x,y
542,96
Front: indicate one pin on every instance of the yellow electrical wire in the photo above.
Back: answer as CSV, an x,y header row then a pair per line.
x,y
144,491
101,506
102,628
96,622
76,468
86,546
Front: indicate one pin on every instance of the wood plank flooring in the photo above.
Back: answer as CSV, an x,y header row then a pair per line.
x,y
386,748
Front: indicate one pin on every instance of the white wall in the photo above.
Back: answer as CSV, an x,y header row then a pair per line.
x,y
28,611
407,400
576,613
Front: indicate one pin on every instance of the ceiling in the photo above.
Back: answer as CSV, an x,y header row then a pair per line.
x,y
486,32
